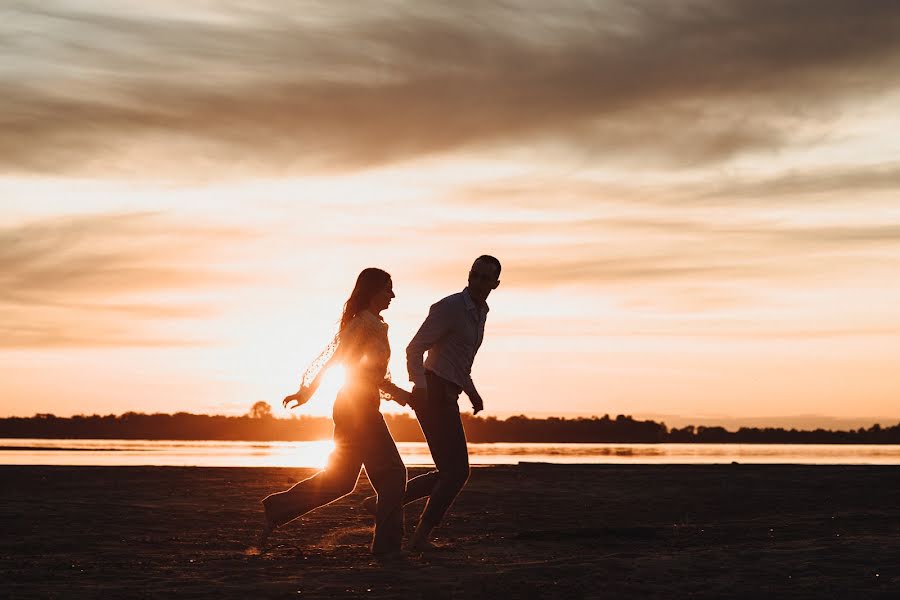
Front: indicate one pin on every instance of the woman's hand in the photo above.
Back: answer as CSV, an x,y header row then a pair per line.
x,y
288,399
301,397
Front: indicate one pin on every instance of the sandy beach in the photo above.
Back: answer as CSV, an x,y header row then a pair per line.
x,y
527,531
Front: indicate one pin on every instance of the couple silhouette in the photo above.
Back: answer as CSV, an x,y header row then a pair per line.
x,y
450,335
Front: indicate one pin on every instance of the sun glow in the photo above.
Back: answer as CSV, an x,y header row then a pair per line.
x,y
323,400
312,454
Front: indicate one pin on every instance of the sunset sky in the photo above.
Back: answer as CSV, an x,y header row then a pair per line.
x,y
697,204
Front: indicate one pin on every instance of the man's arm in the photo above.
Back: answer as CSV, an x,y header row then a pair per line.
x,y
474,397
436,325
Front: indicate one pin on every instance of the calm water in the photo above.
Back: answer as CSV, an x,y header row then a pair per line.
x,y
314,454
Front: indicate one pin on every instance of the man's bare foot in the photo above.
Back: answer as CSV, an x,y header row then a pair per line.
x,y
420,541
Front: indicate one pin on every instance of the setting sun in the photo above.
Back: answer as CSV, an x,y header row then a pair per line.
x,y
321,402
187,243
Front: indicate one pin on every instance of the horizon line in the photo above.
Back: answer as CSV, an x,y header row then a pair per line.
x,y
670,421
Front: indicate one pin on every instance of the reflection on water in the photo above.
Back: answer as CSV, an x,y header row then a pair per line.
x,y
315,454
164,453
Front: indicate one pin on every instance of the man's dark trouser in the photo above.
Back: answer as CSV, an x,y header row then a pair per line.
x,y
440,422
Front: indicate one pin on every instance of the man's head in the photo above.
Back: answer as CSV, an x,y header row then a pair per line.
x,y
484,276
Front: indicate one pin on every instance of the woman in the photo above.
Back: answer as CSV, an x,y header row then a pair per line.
x,y
361,437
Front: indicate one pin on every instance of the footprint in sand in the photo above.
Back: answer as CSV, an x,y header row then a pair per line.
x,y
345,536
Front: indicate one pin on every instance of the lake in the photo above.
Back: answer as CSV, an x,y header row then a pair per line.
x,y
315,453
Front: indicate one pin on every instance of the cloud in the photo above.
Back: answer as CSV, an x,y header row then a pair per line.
x,y
267,89
804,188
712,259
839,184
99,280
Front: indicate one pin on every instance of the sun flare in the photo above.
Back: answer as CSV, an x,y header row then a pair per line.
x,y
314,454
323,400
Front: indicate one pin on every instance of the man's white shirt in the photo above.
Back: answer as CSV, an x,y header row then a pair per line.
x,y
451,334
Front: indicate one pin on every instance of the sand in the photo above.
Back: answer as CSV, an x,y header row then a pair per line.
x,y
527,531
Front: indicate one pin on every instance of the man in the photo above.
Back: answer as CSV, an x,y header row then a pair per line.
x,y
451,335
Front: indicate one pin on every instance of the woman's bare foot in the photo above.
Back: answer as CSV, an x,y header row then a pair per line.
x,y
390,558
370,505
263,540
421,546
268,528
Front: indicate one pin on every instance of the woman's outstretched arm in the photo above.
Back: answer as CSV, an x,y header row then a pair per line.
x,y
344,348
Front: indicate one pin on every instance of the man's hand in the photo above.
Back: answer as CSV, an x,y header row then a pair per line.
x,y
418,396
401,399
477,403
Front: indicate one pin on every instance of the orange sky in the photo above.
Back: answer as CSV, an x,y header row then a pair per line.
x,y
696,206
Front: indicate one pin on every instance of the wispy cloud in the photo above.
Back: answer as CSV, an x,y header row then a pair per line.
x,y
811,187
645,248
834,184
97,279
277,87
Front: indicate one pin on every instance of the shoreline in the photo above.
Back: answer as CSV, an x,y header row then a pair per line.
x,y
542,443
98,452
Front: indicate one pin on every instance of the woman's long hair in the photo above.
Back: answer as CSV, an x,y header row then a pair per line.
x,y
370,282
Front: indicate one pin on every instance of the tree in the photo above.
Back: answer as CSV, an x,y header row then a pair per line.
x,y
261,410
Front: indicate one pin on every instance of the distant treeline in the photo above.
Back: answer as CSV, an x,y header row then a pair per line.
x,y
262,426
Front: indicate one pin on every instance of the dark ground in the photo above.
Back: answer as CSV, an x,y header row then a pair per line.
x,y
531,531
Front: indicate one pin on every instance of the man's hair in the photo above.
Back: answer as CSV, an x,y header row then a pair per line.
x,y
490,259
